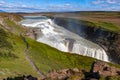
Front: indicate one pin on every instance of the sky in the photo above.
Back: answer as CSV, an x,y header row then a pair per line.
x,y
59,5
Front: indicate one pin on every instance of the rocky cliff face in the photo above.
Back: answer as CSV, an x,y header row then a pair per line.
x,y
114,49
110,41
46,31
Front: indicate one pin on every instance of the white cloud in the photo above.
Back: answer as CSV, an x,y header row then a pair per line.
x,y
1,3
67,4
106,1
21,7
107,5
111,1
18,7
98,1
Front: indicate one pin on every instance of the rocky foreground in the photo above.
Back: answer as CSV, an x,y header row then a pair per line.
x,y
98,69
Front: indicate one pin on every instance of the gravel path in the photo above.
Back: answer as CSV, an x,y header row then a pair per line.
x,y
28,57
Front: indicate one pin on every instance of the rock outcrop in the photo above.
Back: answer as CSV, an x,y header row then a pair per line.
x,y
64,74
98,69
33,33
104,69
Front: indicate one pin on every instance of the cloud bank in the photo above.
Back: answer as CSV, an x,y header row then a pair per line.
x,y
107,5
91,5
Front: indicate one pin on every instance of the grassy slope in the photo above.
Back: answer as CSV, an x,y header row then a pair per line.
x,y
105,25
14,27
48,58
99,24
106,20
12,59
45,57
13,62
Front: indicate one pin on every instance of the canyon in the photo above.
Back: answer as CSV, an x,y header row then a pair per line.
x,y
47,31
108,40
72,55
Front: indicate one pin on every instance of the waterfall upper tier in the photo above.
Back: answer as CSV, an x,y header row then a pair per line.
x,y
62,39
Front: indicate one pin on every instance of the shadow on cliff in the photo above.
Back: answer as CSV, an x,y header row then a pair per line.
x,y
108,40
91,75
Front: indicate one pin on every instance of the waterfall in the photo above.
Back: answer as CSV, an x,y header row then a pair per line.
x,y
62,39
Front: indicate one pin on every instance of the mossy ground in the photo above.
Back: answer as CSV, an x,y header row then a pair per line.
x,y
13,27
105,25
12,60
110,78
48,58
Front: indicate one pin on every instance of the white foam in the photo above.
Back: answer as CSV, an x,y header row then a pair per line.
x,y
64,40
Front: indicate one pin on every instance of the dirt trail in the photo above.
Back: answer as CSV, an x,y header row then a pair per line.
x,y
28,58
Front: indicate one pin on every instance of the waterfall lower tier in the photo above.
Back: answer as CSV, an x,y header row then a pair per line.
x,y
62,39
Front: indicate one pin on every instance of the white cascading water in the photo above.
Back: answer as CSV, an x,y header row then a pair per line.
x,y
62,39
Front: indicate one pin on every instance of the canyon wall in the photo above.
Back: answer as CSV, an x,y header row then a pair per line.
x,y
60,38
108,40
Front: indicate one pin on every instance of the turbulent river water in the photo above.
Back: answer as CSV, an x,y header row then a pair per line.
x,y
62,39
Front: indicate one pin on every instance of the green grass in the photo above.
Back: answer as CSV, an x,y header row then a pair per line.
x,y
13,27
107,25
3,39
48,58
113,78
16,65
13,61
110,78
103,25
12,58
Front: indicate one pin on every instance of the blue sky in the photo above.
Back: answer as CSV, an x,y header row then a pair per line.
x,y
59,5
